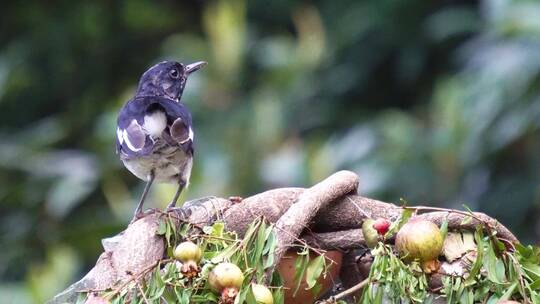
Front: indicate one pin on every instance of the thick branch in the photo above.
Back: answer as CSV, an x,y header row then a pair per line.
x,y
341,240
296,218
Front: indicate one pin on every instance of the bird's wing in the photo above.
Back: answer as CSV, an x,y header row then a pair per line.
x,y
133,138
179,129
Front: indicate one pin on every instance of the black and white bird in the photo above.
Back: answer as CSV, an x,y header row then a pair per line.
x,y
154,135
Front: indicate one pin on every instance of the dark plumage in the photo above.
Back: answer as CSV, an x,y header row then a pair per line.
x,y
154,133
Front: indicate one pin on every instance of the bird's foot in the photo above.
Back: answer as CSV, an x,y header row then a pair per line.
x,y
137,216
186,209
140,214
181,212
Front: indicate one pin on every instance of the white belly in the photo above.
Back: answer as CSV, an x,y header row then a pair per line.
x,y
168,166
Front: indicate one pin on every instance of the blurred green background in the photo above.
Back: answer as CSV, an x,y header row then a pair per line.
x,y
437,102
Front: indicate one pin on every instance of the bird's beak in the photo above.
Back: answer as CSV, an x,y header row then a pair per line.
x,y
190,68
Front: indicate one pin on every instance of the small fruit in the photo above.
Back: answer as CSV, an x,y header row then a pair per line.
x,y
226,278
190,255
262,294
419,240
370,234
381,225
188,251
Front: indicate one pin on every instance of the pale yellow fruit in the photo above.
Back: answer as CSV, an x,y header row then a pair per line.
x,y
188,251
262,294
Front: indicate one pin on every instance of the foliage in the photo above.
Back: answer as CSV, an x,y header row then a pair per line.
x,y
496,274
253,254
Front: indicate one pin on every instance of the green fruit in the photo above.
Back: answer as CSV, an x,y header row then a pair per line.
x,y
225,275
187,251
419,240
371,236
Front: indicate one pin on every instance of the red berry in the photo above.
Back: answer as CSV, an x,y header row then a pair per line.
x,y
381,225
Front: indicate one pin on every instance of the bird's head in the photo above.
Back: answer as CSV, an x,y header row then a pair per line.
x,y
167,78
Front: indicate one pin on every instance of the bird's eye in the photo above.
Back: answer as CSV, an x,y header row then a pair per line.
x,y
174,73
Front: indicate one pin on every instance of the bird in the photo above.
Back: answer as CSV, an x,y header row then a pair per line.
x,y
154,134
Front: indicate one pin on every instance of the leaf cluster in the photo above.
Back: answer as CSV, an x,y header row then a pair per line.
x,y
496,273
164,282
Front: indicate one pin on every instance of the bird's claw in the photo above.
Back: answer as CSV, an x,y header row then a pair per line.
x,y
182,212
137,216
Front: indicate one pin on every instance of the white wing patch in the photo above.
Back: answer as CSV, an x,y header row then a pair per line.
x,y
137,135
120,136
190,136
129,144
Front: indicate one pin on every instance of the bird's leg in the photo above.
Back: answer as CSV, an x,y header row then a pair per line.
x,y
138,210
181,185
181,211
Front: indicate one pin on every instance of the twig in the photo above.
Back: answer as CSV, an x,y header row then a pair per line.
x,y
520,273
138,276
470,214
301,241
142,293
346,293
358,207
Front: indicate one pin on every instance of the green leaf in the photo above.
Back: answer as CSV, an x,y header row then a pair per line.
x,y
314,271
406,214
444,228
494,267
168,233
162,228
277,293
532,270
508,293
250,297
524,251
300,266
467,297
480,245
225,254
173,227
535,285
269,248
217,229
259,243
466,220
379,296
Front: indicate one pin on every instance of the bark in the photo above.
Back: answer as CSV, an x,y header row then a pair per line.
x,y
337,240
